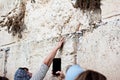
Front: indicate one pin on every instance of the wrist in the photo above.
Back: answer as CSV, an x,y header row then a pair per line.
x,y
60,78
56,47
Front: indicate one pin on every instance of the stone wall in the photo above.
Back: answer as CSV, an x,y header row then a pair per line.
x,y
91,44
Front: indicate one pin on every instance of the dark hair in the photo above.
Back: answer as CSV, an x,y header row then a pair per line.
x,y
91,75
3,78
24,68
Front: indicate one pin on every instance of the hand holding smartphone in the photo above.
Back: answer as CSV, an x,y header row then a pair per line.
x,y
56,66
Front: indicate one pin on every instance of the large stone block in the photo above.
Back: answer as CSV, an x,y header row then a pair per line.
x,y
2,57
110,8
99,50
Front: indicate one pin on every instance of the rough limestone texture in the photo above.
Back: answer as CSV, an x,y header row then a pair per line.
x,y
46,21
99,50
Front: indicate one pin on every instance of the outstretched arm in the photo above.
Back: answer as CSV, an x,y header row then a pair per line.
x,y
48,60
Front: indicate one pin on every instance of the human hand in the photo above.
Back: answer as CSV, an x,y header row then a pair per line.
x,y
61,76
60,43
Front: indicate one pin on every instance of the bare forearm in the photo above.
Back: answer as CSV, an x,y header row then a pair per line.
x,y
49,58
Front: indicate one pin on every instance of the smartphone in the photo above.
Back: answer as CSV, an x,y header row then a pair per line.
x,y
56,66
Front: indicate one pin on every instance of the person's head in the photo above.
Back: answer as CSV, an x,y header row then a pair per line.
x,y
90,75
73,71
22,73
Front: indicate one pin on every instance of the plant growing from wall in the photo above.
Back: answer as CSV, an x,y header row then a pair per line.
x,y
88,4
92,11
14,20
33,1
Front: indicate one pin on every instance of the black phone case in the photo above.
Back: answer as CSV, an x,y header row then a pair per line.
x,y
56,66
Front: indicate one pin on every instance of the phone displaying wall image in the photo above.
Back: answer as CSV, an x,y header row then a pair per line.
x,y
56,66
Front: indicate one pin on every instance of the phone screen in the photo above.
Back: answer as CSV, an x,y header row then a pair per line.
x,y
56,66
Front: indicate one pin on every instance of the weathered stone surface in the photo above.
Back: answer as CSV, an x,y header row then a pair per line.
x,y
99,50
110,8
47,20
2,63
